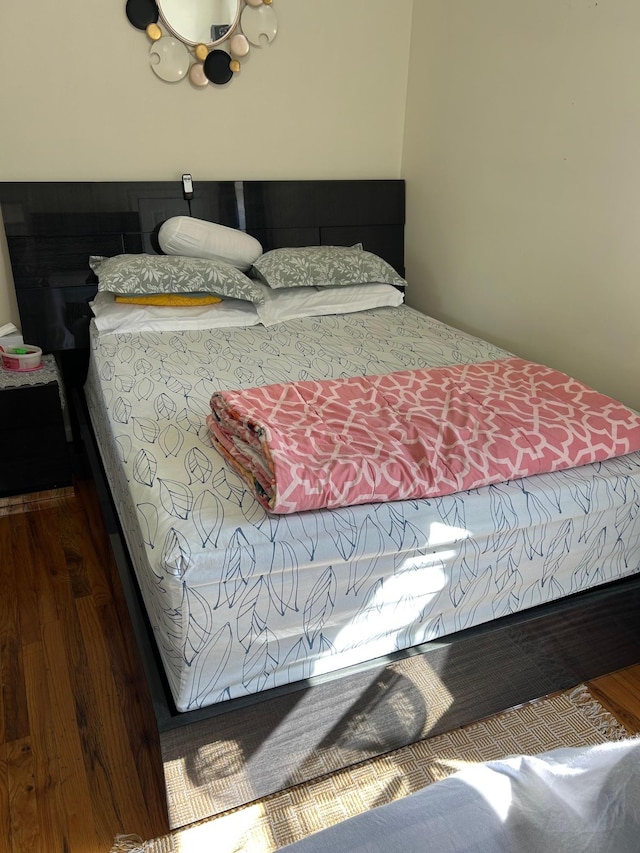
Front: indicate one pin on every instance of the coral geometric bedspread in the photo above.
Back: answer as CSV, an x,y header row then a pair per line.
x,y
413,433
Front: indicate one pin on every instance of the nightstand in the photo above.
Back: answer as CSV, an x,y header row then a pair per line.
x,y
34,454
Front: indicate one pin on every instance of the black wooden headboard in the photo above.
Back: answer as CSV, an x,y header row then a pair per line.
x,y
53,227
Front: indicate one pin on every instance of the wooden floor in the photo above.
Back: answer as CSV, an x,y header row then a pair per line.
x,y
79,758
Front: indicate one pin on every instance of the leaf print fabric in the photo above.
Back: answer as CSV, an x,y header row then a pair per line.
x,y
241,600
323,266
151,274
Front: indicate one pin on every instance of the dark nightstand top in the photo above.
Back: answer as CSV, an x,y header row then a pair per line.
x,y
49,372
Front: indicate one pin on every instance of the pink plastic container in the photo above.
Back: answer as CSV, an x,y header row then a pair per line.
x,y
22,358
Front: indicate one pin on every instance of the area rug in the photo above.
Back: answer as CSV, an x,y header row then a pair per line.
x,y
572,718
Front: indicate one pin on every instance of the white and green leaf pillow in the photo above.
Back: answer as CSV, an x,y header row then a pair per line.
x,y
323,266
146,274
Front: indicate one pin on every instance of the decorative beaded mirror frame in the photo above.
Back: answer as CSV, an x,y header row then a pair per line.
x,y
204,40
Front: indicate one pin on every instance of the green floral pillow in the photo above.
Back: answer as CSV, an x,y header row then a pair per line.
x,y
146,274
323,266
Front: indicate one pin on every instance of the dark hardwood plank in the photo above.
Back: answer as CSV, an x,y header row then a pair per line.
x,y
94,722
5,581
75,557
81,807
15,719
86,544
124,803
5,812
27,610
34,588
48,776
23,806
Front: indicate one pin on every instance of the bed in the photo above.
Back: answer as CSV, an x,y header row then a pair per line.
x,y
241,600
509,591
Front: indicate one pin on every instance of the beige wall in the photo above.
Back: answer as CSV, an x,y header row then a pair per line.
x,y
79,100
522,160
521,145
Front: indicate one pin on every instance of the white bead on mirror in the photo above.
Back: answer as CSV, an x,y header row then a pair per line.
x,y
169,59
259,24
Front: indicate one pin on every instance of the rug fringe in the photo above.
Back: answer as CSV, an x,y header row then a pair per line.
x,y
602,719
130,844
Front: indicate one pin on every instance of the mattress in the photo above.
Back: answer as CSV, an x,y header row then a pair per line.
x,y
241,601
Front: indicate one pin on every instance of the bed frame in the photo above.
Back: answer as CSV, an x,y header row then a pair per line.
x,y
52,228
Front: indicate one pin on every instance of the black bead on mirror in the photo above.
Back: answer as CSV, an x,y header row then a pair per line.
x,y
217,67
141,13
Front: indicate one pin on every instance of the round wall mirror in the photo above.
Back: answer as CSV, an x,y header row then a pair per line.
x,y
200,21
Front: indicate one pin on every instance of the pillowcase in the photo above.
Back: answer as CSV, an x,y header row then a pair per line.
x,y
295,302
172,299
143,274
112,316
323,266
197,238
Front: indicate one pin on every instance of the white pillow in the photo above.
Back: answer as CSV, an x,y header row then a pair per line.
x,y
294,302
111,316
197,238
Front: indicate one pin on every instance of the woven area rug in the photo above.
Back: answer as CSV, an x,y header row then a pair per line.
x,y
573,718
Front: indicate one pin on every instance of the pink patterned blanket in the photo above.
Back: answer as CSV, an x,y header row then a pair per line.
x,y
413,433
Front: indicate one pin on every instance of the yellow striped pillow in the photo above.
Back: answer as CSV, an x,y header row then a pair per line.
x,y
175,299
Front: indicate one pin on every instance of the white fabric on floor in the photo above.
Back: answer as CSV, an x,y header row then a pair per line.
x,y
567,800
